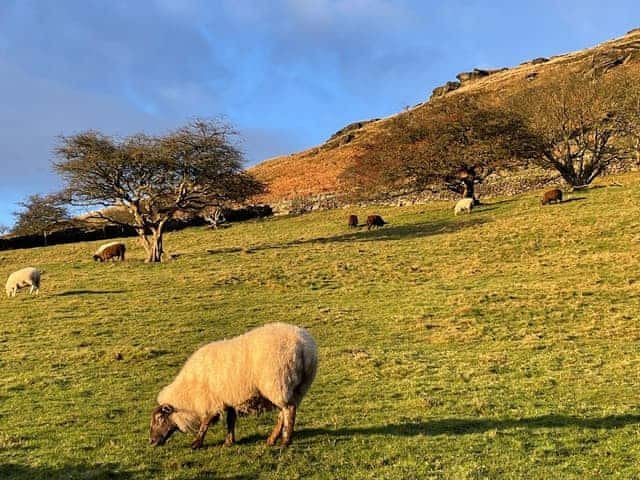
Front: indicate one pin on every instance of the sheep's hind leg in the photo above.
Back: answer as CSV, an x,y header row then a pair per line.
x,y
289,423
204,425
231,425
277,430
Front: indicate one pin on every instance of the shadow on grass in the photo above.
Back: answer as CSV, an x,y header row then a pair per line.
x,y
108,471
224,250
500,202
462,426
485,207
574,199
87,292
97,472
388,233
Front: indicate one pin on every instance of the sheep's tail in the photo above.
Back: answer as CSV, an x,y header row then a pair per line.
x,y
308,365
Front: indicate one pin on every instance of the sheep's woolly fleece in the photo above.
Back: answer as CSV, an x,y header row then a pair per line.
x,y
26,277
464,205
106,245
273,365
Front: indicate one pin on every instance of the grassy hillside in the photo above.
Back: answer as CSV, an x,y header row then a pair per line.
x,y
317,170
502,344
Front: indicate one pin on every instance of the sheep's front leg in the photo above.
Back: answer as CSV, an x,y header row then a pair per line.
x,y
202,431
289,422
231,425
277,430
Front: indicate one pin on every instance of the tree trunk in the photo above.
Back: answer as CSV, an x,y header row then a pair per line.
x,y
469,187
151,239
576,179
155,252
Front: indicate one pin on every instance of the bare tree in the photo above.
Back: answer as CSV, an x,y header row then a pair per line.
x,y
578,122
625,87
215,217
459,141
40,215
155,177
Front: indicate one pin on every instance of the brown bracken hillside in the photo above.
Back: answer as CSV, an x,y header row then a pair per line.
x,y
317,170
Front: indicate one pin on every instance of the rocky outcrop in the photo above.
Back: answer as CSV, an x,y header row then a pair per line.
x,y
444,89
463,78
605,61
476,74
350,129
539,60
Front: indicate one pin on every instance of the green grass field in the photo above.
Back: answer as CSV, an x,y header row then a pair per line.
x,y
501,344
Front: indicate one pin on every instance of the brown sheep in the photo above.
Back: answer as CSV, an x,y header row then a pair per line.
x,y
375,221
353,221
110,251
554,195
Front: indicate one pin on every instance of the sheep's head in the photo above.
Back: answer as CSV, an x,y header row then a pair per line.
x,y
162,426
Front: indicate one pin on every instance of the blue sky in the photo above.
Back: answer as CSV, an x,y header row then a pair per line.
x,y
286,73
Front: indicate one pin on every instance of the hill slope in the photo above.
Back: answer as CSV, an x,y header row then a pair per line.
x,y
316,171
501,344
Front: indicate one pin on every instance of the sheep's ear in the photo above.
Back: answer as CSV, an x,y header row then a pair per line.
x,y
166,409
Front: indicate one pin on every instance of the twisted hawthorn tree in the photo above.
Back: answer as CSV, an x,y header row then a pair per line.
x,y
154,178
624,85
40,215
580,123
458,141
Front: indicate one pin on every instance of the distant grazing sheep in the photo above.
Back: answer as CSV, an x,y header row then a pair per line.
x,y
464,205
27,277
270,366
110,251
353,221
375,221
554,195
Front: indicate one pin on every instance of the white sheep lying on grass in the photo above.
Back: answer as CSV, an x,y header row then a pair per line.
x,y
27,277
271,366
464,205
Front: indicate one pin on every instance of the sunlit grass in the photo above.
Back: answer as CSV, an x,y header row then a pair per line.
x,y
501,344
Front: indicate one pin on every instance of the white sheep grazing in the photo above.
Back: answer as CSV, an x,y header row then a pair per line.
x,y
464,205
23,278
270,366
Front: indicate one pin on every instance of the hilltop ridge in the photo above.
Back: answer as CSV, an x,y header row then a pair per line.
x,y
316,171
